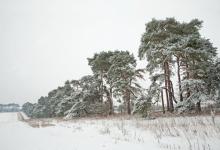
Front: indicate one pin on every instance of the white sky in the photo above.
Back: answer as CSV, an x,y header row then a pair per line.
x,y
45,42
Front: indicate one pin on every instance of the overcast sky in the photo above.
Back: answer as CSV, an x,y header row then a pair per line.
x,y
46,42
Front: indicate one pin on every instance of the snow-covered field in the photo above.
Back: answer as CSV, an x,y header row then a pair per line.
x,y
182,133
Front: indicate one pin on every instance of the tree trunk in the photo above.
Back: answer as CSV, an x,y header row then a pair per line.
x,y
187,76
166,85
111,102
171,98
109,99
169,87
102,87
172,92
179,79
219,93
198,104
162,101
128,101
198,107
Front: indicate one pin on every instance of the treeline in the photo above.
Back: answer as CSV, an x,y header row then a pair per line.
x,y
172,50
12,107
115,75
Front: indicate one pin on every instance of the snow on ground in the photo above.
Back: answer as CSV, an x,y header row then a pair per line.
x,y
182,133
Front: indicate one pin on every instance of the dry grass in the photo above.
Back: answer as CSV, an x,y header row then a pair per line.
x,y
39,123
36,123
172,133
195,132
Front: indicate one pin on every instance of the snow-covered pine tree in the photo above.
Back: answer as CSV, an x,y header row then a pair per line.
x,y
199,57
122,75
155,47
100,64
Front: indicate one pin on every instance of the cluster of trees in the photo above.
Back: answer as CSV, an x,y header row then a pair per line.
x,y
177,50
172,50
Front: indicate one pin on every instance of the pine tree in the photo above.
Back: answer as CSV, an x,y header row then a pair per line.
x,y
122,75
100,64
155,47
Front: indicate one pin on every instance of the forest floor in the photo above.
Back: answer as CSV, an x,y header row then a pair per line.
x,y
112,133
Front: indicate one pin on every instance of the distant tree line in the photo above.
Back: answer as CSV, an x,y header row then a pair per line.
x,y
172,50
12,107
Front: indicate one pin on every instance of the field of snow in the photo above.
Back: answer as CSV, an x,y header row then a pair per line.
x,y
182,133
